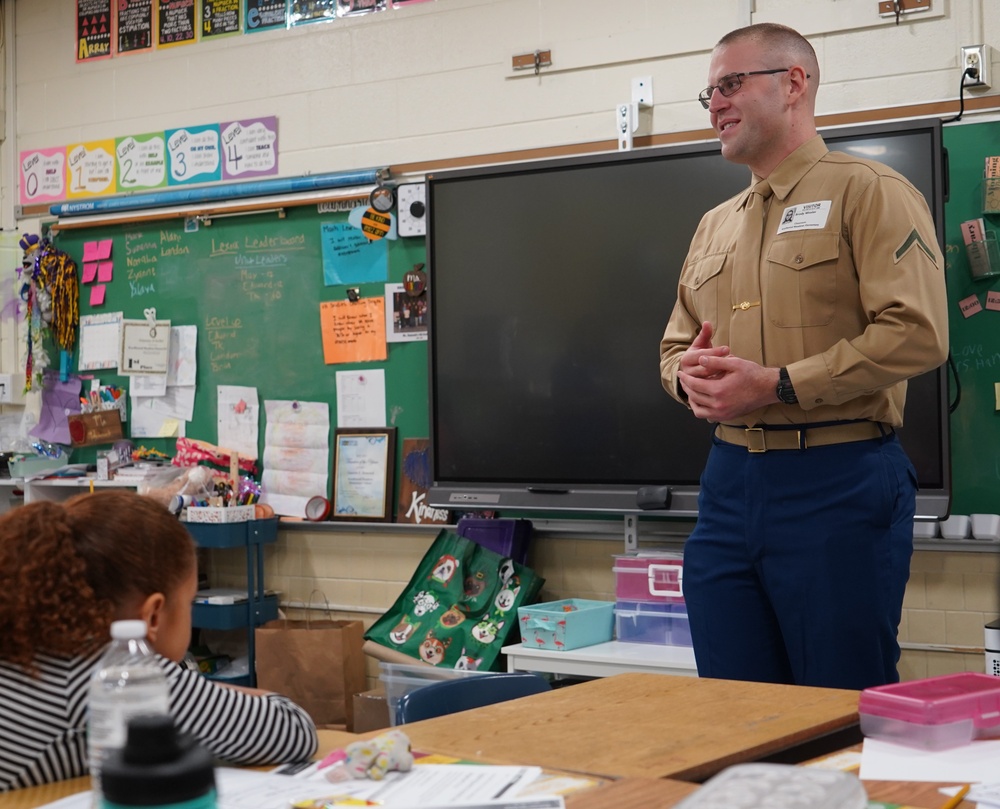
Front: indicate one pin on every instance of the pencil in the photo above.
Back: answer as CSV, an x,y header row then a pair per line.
x,y
955,800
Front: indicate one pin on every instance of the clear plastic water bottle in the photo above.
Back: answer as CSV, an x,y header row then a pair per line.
x,y
126,683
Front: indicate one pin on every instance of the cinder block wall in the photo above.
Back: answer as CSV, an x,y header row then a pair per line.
x,y
950,596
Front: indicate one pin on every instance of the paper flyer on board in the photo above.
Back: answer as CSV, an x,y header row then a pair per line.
x,y
296,455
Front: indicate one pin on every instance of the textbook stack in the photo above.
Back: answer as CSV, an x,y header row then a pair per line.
x,y
649,593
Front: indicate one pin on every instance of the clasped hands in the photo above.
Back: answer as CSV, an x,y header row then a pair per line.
x,y
720,387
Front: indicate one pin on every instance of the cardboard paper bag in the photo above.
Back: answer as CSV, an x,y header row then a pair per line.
x,y
317,664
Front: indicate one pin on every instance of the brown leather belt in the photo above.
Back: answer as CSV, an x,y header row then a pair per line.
x,y
762,439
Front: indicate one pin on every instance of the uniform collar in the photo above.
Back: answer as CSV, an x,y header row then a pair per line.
x,y
794,167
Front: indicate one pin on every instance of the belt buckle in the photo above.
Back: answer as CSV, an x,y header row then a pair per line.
x,y
755,439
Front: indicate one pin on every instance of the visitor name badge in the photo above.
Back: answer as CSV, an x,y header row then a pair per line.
x,y
807,216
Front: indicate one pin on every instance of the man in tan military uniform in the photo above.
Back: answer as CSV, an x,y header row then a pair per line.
x,y
803,307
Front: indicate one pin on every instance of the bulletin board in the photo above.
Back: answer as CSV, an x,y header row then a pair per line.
x,y
255,286
265,273
975,340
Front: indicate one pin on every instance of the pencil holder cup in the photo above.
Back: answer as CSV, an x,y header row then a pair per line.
x,y
957,526
984,257
985,526
991,195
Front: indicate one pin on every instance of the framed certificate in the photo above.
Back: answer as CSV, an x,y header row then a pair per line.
x,y
363,464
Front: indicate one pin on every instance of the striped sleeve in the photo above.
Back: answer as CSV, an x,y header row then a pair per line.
x,y
43,721
237,727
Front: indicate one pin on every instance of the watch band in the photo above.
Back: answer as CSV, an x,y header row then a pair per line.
x,y
785,391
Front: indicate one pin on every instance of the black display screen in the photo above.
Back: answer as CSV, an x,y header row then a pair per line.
x,y
551,283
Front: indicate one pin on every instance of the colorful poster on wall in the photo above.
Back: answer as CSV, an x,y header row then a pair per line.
x,y
249,148
135,25
175,23
220,18
301,12
91,168
351,8
141,161
43,175
93,30
265,15
193,155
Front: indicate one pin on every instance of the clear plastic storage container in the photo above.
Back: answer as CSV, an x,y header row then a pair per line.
x,y
934,713
650,576
662,624
401,678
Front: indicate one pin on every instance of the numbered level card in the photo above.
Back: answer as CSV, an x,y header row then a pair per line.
x,y
145,347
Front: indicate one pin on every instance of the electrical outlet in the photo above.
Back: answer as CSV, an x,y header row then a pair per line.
x,y
976,57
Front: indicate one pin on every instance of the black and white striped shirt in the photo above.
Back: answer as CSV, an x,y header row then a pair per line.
x,y
43,721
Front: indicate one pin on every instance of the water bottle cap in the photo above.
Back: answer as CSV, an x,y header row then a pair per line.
x,y
157,766
128,630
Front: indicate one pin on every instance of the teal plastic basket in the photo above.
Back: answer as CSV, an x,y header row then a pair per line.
x,y
567,624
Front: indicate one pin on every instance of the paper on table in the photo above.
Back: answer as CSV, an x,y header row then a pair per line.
x,y
457,786
430,785
969,763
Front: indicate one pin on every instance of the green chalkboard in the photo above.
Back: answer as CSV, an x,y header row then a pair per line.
x,y
254,286
975,340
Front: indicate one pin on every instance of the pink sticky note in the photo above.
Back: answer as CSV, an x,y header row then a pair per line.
x,y
90,251
993,299
104,249
89,271
105,270
97,295
970,306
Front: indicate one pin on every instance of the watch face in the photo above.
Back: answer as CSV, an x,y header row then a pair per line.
x,y
382,199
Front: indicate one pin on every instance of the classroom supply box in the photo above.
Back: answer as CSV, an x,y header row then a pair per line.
x,y
645,622
934,713
567,624
219,513
654,577
508,537
402,678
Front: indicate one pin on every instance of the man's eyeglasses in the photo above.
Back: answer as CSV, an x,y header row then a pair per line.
x,y
731,83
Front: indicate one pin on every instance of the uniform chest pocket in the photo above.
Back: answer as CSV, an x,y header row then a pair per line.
x,y
801,282
700,284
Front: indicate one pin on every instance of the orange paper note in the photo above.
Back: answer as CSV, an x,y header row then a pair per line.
x,y
353,331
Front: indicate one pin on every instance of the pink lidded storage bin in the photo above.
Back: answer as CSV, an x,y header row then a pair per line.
x,y
934,713
656,577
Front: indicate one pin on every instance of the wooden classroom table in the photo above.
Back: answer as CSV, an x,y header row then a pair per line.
x,y
639,725
626,793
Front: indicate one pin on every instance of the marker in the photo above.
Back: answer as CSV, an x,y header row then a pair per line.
x,y
544,490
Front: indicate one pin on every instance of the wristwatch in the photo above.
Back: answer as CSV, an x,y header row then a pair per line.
x,y
785,391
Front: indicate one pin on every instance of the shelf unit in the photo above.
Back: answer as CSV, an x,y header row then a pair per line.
x,y
603,659
259,607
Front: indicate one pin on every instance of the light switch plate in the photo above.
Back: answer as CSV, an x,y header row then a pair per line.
x,y
411,209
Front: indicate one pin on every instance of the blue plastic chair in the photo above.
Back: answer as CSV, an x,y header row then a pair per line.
x,y
464,693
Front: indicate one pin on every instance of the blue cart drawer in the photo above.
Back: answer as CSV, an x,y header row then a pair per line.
x,y
233,534
234,616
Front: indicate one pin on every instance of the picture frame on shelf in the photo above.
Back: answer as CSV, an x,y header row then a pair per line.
x,y
363,474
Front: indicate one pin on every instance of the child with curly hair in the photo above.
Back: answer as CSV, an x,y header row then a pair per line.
x,y
67,570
